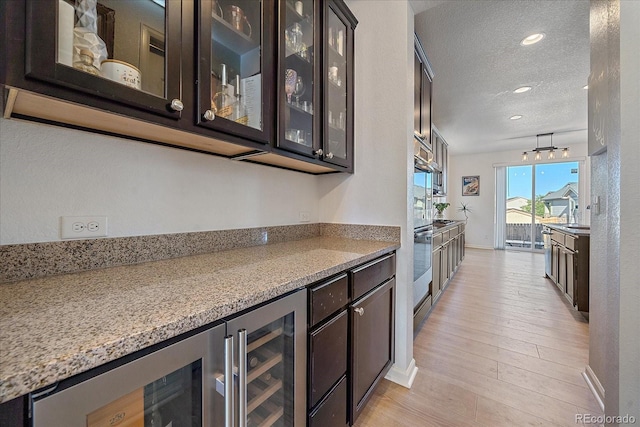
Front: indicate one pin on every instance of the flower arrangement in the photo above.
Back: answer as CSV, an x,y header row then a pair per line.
x,y
440,207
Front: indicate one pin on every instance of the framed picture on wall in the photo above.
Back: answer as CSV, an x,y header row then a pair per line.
x,y
471,185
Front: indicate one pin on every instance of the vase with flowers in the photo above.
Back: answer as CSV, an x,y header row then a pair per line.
x,y
440,207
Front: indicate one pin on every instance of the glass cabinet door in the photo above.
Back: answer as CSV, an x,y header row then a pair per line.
x,y
235,77
338,90
297,93
124,51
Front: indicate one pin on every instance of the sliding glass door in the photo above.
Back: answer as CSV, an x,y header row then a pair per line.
x,y
539,194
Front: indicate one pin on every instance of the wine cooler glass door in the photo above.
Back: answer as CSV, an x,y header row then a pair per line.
x,y
270,362
166,388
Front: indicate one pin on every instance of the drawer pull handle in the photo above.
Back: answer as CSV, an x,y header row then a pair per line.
x,y
359,310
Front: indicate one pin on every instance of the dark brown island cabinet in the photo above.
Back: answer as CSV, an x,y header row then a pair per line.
x,y
351,341
448,253
570,267
264,81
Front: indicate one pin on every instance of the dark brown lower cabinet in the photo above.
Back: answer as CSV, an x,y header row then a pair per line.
x,y
351,340
328,361
372,343
570,267
332,411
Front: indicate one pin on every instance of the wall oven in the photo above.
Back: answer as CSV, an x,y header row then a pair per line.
x,y
422,228
248,370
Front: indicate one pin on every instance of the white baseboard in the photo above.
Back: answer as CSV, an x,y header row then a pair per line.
x,y
594,385
478,247
403,377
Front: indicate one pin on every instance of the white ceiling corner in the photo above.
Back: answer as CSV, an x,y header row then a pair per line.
x,y
473,46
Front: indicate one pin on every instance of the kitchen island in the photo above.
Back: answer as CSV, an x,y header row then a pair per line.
x,y
569,258
54,327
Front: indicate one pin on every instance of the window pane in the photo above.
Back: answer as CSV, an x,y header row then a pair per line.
x,y
519,212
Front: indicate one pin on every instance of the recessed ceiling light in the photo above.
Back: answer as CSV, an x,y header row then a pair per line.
x,y
522,89
532,39
585,87
516,117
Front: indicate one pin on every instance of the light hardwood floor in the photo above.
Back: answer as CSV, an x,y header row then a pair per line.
x,y
502,347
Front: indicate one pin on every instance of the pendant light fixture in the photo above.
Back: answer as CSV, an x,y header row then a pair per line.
x,y
550,148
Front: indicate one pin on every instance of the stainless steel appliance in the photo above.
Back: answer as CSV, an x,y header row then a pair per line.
x,y
422,220
249,370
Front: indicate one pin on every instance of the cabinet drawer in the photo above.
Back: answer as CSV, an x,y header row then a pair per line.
x,y
570,242
327,298
367,277
328,356
557,236
436,240
332,412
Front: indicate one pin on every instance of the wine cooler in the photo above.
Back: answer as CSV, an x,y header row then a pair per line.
x,y
186,384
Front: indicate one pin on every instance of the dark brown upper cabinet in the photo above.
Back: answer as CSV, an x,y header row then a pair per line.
x,y
423,78
126,52
299,102
315,81
337,74
235,69
215,76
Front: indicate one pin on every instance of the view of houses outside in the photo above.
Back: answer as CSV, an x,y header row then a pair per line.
x,y
556,200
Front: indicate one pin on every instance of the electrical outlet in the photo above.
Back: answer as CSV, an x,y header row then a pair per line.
x,y
81,227
304,216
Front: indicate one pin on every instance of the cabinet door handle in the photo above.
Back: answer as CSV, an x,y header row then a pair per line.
x,y
209,115
318,152
176,105
242,377
330,155
359,310
228,381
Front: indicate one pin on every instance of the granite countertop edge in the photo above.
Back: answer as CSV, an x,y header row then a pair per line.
x,y
569,230
24,373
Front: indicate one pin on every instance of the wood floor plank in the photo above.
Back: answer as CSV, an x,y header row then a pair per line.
x,y
436,356
502,347
570,374
569,358
566,392
491,413
512,395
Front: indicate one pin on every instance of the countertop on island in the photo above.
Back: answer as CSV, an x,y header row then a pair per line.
x,y
54,327
575,229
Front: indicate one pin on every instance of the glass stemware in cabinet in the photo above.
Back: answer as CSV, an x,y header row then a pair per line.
x,y
290,83
298,90
296,63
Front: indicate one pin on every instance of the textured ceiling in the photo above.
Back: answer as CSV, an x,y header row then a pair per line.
x,y
474,48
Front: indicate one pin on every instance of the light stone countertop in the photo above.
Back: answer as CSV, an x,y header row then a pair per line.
x,y
579,231
54,327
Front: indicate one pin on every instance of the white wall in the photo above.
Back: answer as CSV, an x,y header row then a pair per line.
x,y
480,226
47,172
380,191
